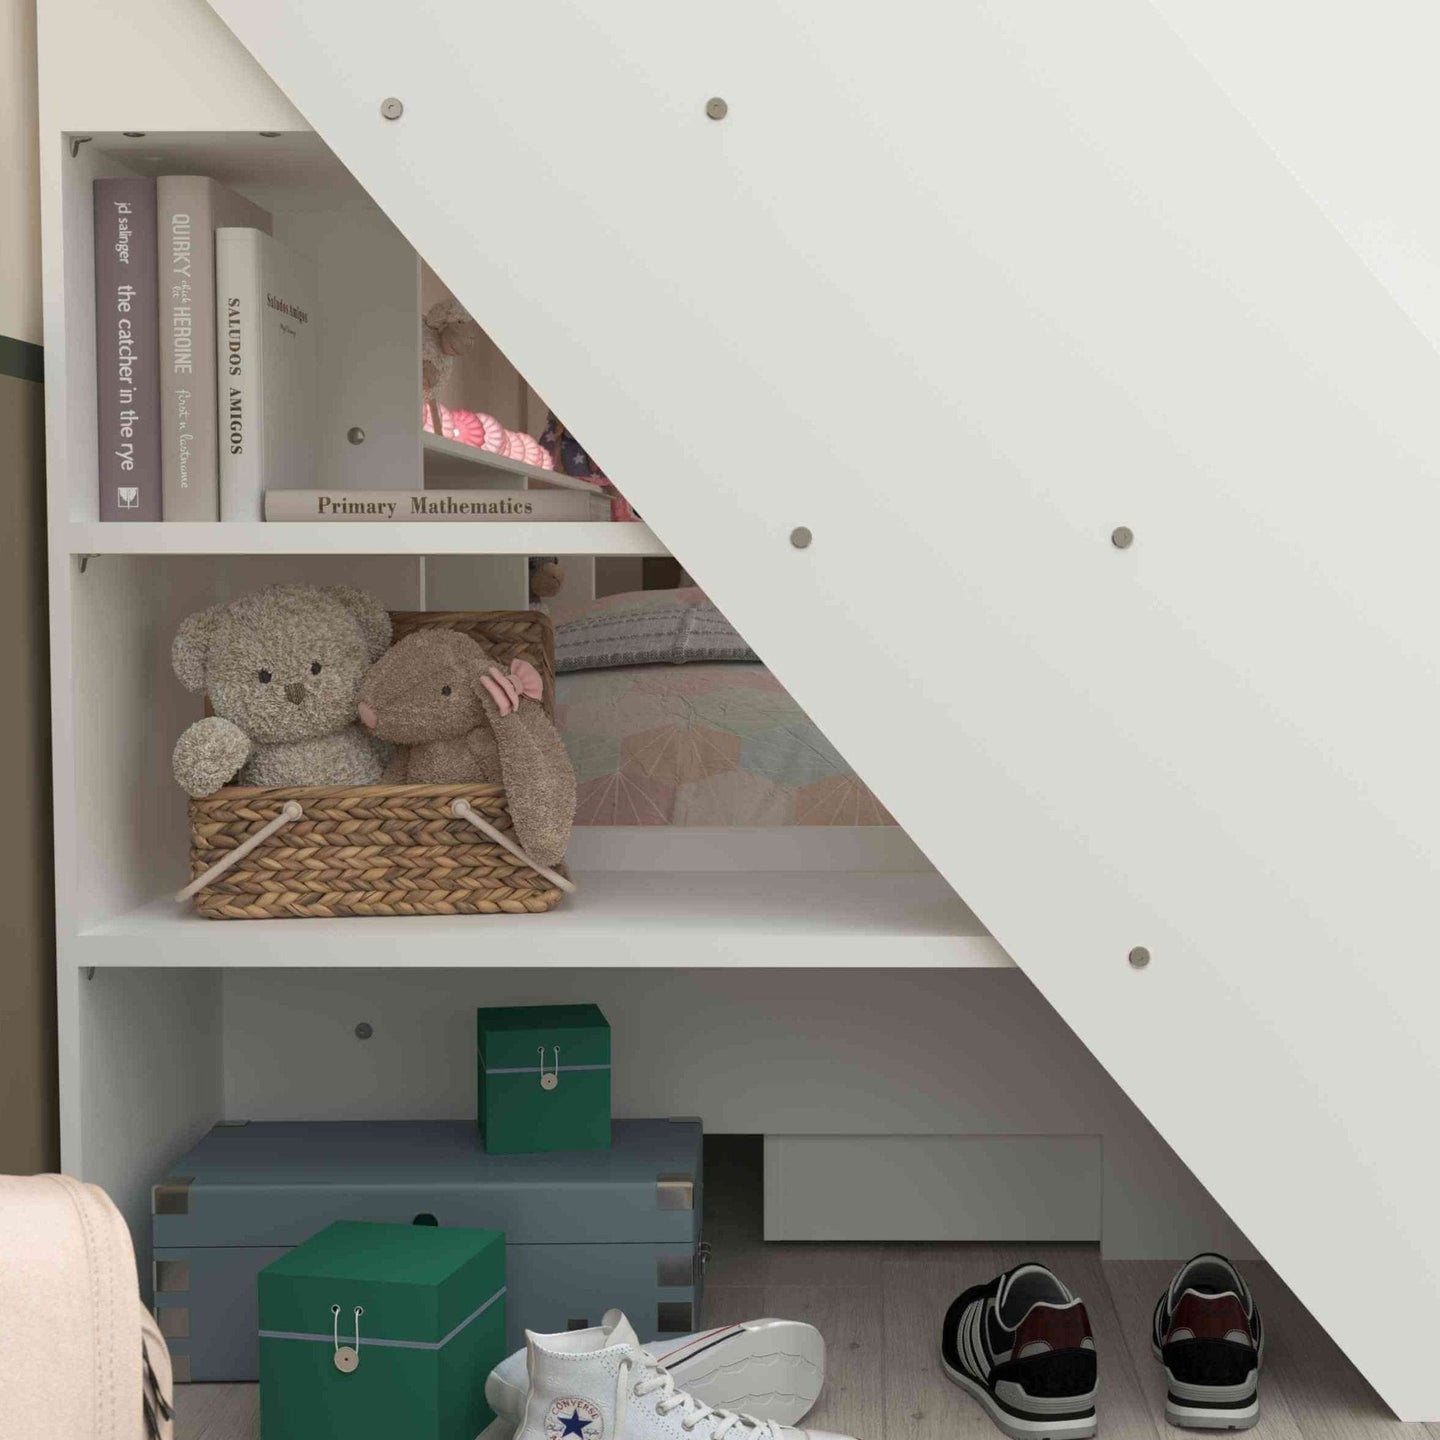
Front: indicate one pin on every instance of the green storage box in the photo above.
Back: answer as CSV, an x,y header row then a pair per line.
x,y
544,1078
432,1328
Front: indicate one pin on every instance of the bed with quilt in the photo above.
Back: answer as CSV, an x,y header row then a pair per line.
x,y
670,719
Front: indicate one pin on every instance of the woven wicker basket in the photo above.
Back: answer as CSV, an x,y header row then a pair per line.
x,y
377,849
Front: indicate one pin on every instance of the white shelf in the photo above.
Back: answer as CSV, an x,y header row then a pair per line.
x,y
619,919
364,537
449,462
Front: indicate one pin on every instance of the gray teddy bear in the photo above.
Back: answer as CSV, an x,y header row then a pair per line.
x,y
280,669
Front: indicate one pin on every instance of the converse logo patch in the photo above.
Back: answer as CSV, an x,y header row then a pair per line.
x,y
572,1419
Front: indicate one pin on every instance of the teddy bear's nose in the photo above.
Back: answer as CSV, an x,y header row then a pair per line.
x,y
295,694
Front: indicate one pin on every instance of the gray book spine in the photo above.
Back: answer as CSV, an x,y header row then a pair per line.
x,y
127,355
190,207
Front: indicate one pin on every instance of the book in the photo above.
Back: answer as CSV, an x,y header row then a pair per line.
x,y
127,358
265,348
191,208
486,505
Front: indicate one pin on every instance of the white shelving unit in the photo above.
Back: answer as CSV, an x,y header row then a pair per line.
x,y
791,982
448,462
416,538
639,921
132,962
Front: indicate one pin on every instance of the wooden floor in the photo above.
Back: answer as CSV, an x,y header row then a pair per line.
x,y
879,1308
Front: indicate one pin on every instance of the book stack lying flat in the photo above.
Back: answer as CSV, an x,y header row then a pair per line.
x,y
483,505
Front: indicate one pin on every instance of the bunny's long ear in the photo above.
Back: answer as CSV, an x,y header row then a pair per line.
x,y
369,614
191,647
539,780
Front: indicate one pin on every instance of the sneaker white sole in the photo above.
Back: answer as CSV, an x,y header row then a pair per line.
x,y
771,1368
1195,1416
1192,1413
1019,1427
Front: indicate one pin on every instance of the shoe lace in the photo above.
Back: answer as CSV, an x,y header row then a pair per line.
x,y
651,1376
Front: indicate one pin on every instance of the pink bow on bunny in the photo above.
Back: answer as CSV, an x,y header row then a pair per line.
x,y
506,690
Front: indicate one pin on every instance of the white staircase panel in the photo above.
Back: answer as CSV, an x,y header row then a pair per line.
x,y
961,289
1346,97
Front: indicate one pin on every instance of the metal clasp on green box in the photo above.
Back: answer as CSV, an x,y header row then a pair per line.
x,y
544,1078
381,1331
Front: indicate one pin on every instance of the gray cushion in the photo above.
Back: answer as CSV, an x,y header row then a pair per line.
x,y
660,629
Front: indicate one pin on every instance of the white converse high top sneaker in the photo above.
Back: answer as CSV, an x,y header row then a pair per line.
x,y
599,1384
772,1369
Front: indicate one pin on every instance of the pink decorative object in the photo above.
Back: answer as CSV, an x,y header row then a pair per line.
x,y
494,432
427,420
514,446
546,460
447,420
533,451
468,428
527,679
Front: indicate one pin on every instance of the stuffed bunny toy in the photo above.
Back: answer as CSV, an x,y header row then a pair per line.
x,y
280,667
464,719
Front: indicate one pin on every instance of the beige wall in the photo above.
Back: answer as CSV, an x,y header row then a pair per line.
x,y
19,178
28,1120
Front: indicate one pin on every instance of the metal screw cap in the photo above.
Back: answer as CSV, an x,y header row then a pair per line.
x,y
391,108
364,1030
1139,957
355,435
1122,537
800,537
716,108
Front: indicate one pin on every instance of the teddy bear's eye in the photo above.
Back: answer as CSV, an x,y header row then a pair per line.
x,y
264,677
444,689
314,667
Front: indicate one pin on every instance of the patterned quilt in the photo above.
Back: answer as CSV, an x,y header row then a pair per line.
x,y
702,744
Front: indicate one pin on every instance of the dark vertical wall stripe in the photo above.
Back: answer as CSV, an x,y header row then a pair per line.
x,y
21,360
29,1116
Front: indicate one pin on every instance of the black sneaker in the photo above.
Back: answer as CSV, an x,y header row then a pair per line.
x,y
1208,1337
1021,1345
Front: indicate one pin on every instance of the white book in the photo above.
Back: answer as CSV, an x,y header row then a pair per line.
x,y
191,208
265,317
495,506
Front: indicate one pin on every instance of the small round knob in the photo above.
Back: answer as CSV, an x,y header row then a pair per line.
x,y
1139,957
392,108
346,1360
1122,537
364,1030
716,108
800,537
355,435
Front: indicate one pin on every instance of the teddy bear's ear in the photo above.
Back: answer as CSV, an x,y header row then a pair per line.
x,y
371,616
192,646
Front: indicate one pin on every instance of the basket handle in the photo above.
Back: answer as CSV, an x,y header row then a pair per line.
x,y
465,811
290,811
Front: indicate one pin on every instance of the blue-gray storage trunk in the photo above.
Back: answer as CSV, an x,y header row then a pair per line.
x,y
585,1230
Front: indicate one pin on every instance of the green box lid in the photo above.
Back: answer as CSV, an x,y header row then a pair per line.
x,y
510,1036
417,1283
